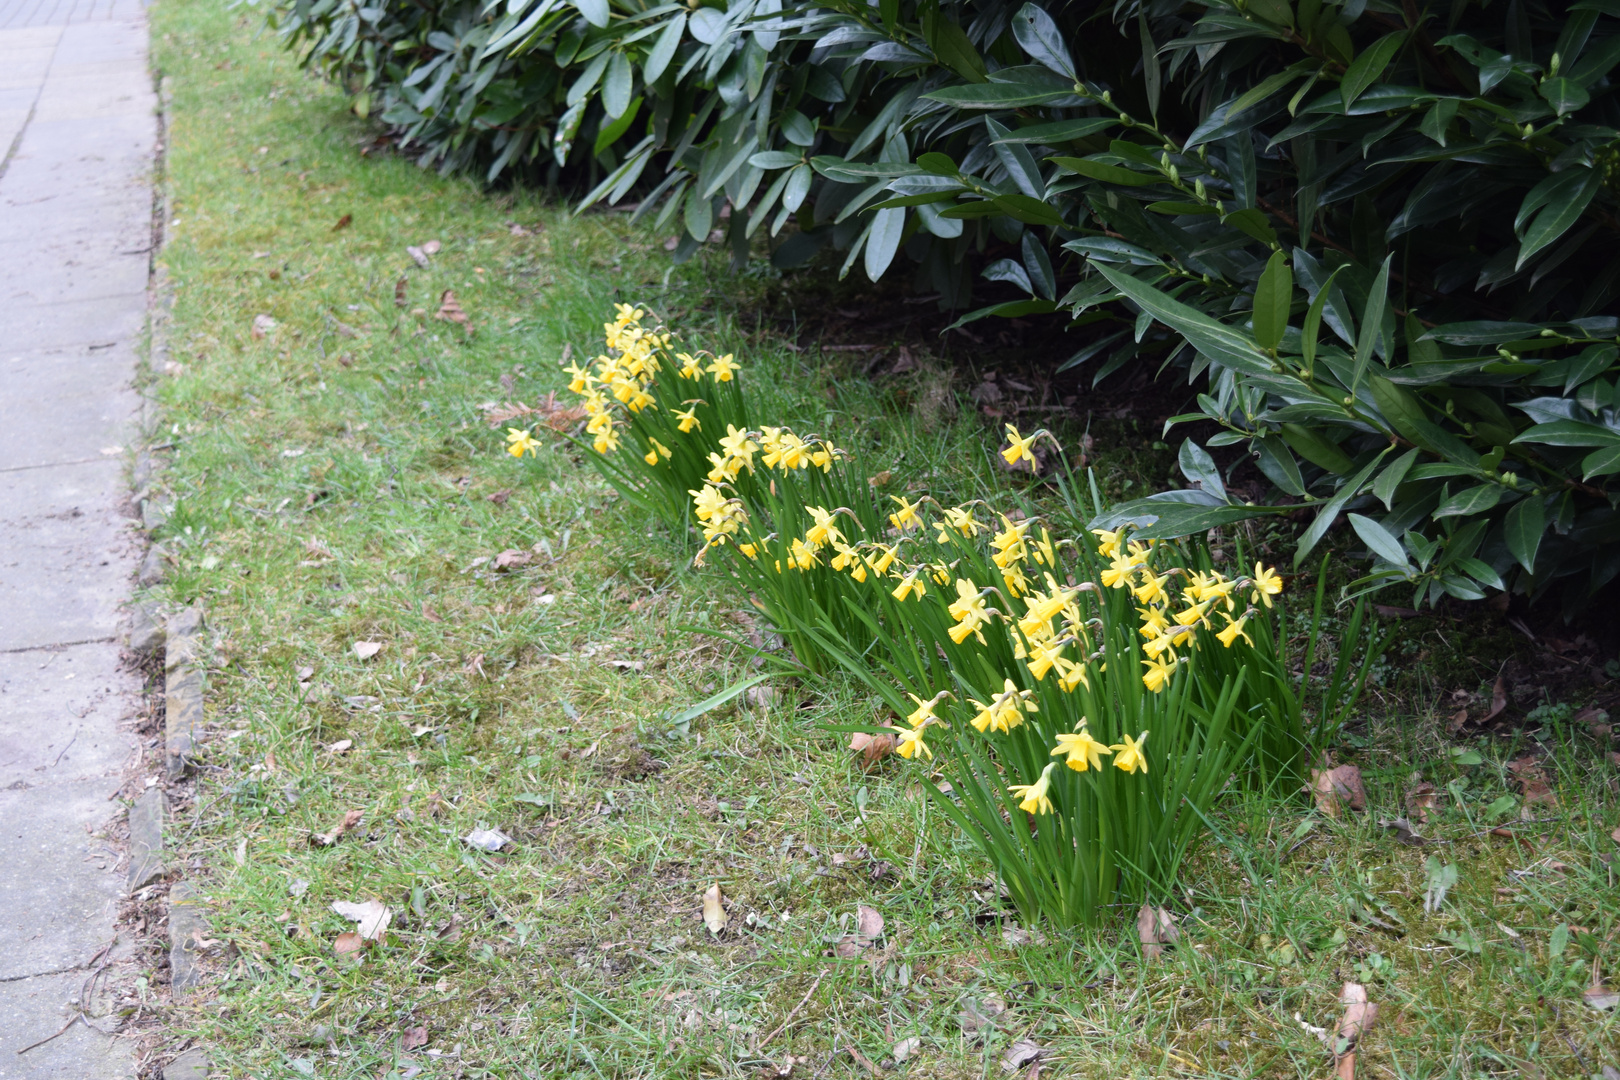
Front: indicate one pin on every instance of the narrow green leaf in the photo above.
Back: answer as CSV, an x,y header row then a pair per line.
x,y
1040,37
1372,324
1101,170
1565,201
1366,68
1379,540
1469,501
1272,298
1384,487
1221,343
617,85
1526,521
663,50
595,11
1601,462
1313,321
887,228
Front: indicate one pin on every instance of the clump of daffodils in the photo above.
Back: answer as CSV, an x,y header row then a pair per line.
x,y
1030,665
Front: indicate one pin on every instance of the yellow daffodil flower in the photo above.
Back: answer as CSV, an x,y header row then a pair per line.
x,y
739,445
1267,583
1045,552
1151,590
822,458
1119,572
912,583
1013,577
1071,675
750,550
802,555
885,560
606,441
1158,671
1032,797
651,457
688,420
1108,542
1043,657
1234,630
1084,751
722,368
579,379
1154,622
1128,754
1018,447
909,742
520,442
708,502
1006,710
823,532
923,715
969,612
691,366
906,517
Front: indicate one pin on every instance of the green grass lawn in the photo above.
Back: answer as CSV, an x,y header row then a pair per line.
x,y
334,483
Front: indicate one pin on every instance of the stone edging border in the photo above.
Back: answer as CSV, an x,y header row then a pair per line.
x,y
176,639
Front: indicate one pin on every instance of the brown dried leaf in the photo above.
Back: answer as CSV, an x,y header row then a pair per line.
x,y
262,325
868,923
714,911
348,943
450,310
1420,799
365,650
399,290
1155,929
557,416
431,247
414,1038
873,748
1336,788
1404,831
350,820
343,222
1358,1018
1499,700
372,916
512,557
1024,1052
1459,719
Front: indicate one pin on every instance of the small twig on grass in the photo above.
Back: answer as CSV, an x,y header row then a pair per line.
x,y
789,1018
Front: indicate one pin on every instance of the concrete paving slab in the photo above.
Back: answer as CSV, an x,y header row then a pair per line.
x,y
67,269
30,1010
77,322
33,37
58,157
66,406
66,554
59,896
92,96
59,716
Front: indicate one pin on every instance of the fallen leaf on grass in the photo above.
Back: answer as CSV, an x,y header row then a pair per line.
x,y
1358,1018
262,325
1405,831
1499,700
399,290
1420,799
348,943
1016,937
978,1016
905,1048
372,916
868,928
512,557
1022,1053
414,1038
365,650
1336,788
450,311
327,839
1599,996
1155,929
628,665
1596,721
872,748
491,840
714,910
342,746
343,222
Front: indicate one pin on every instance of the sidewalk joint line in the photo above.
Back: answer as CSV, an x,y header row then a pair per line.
x,y
58,645
54,464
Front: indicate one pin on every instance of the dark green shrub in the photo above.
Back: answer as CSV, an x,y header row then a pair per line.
x,y
1439,183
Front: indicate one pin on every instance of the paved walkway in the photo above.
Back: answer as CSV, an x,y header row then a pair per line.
x,y
77,134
